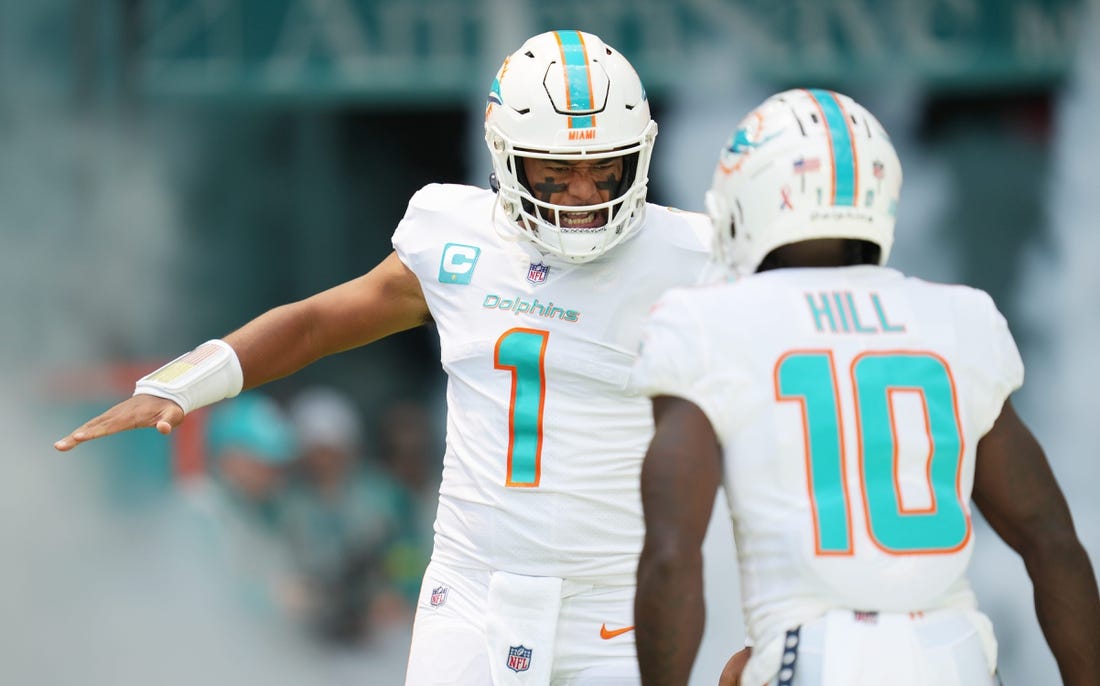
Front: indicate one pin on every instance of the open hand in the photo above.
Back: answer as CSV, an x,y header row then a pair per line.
x,y
136,412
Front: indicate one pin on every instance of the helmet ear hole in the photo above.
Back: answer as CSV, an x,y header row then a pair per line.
x,y
737,212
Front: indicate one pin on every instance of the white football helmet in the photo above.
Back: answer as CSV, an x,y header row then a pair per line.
x,y
564,95
805,164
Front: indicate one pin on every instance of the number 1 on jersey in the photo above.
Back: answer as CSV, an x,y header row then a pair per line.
x,y
523,353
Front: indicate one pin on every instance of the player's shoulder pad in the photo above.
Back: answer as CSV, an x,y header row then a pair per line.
x,y
965,297
438,206
436,197
676,296
979,297
685,301
973,308
983,302
684,229
758,284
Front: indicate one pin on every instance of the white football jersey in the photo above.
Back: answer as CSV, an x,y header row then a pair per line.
x,y
544,444
849,403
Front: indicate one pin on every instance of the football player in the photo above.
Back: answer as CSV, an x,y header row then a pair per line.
x,y
538,291
853,414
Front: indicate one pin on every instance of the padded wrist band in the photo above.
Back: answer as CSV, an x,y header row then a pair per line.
x,y
207,374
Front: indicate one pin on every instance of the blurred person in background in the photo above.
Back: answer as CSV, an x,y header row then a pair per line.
x,y
851,413
344,516
538,288
238,509
407,449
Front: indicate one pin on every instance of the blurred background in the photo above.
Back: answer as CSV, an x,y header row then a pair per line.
x,y
172,168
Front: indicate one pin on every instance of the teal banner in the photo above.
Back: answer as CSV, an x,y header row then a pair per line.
x,y
446,50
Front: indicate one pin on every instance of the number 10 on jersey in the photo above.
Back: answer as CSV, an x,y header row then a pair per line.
x,y
809,378
523,353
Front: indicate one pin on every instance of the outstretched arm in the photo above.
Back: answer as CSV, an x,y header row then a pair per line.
x,y
1017,493
680,478
281,341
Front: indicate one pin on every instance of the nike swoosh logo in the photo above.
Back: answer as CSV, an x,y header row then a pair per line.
x,y
606,633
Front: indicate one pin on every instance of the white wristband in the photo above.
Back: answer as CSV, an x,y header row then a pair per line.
x,y
207,374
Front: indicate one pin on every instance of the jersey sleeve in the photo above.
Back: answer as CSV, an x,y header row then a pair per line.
x,y
419,229
1010,366
676,359
1003,368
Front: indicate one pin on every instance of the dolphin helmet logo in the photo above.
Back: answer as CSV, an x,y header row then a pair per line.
x,y
748,137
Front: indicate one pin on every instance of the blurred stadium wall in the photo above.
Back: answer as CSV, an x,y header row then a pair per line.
x,y
171,168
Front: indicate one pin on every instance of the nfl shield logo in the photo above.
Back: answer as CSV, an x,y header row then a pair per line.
x,y
537,272
519,658
439,596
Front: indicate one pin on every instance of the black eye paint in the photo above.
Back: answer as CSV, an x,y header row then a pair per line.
x,y
610,184
544,190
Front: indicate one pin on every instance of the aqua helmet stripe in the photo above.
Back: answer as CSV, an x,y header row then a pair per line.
x,y
578,80
845,178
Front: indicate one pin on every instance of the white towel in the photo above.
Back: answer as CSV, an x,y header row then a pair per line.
x,y
879,650
521,627
984,628
764,663
843,648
